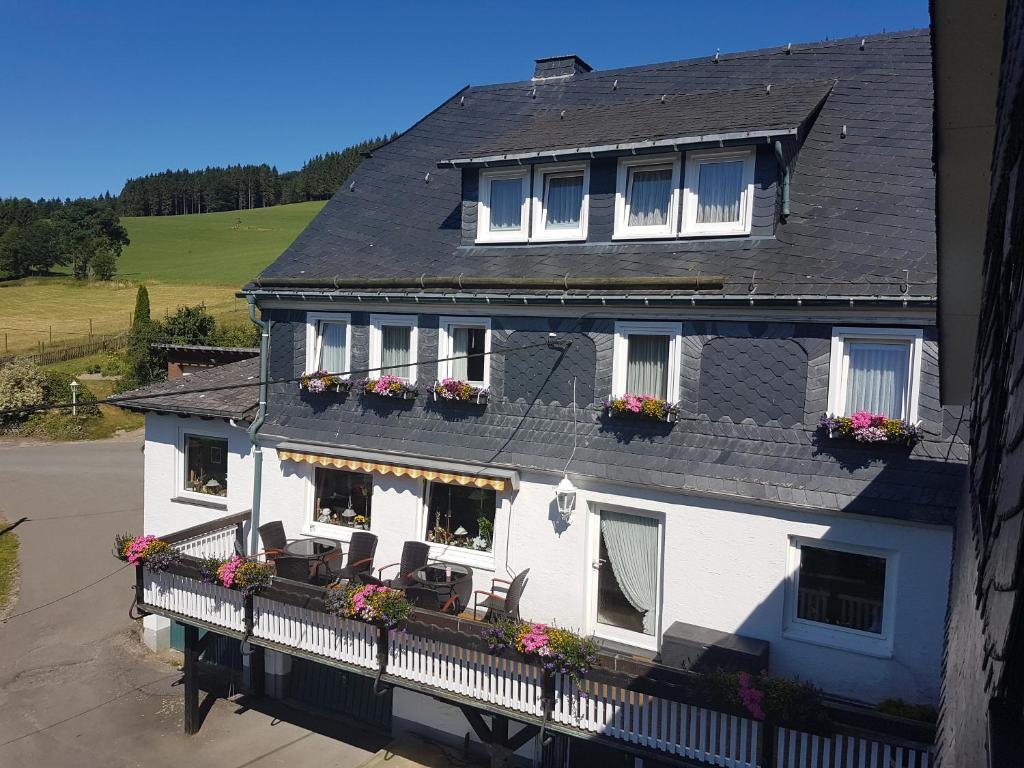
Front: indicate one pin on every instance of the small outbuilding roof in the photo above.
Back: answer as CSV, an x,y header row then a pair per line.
x,y
228,391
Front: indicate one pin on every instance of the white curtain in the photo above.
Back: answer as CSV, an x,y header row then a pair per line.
x,y
649,196
647,365
632,544
395,350
876,378
564,201
332,347
468,341
506,204
718,192
460,346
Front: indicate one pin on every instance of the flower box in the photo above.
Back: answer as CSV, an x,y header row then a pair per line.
x,y
558,650
243,574
866,427
389,386
371,603
645,407
147,550
459,391
321,381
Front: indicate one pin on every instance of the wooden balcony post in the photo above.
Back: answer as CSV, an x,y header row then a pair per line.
x,y
191,672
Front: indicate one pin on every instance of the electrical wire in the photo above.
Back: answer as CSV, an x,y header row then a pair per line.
x,y
573,453
63,597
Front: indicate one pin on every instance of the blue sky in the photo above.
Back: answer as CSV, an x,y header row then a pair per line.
x,y
93,93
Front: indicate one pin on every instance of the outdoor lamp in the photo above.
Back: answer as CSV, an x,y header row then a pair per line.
x,y
212,485
74,395
565,495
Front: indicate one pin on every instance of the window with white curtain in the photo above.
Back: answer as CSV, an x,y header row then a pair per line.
x,y
719,192
646,359
393,346
468,340
876,370
646,197
328,340
503,211
560,201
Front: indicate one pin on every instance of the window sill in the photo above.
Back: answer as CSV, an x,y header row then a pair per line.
x,y
500,240
552,237
695,234
329,531
879,648
661,235
206,503
474,558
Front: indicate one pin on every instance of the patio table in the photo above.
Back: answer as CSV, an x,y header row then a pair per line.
x,y
441,577
311,548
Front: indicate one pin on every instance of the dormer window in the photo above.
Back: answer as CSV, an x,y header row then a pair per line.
x,y
504,208
719,193
646,199
561,194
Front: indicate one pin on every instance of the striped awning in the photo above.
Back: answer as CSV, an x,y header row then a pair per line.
x,y
359,465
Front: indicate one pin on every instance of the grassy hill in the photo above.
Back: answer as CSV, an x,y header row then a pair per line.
x,y
181,259
227,248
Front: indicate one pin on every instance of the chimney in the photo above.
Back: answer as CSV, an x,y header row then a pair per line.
x,y
560,66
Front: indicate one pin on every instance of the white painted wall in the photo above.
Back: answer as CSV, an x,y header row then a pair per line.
x,y
725,562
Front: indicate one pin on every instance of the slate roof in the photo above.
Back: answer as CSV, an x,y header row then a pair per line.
x,y
862,204
781,109
181,395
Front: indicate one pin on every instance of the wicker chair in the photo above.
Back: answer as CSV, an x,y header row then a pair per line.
x,y
273,538
429,599
501,605
294,568
414,557
360,558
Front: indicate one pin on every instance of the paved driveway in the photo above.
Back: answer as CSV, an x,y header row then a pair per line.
x,y
76,688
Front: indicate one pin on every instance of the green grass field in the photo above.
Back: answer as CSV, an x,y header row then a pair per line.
x,y
181,260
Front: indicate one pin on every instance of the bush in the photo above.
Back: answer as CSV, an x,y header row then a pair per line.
x,y
104,264
22,385
899,708
54,425
247,335
790,703
57,389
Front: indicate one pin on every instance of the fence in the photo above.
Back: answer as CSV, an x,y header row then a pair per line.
x,y
109,343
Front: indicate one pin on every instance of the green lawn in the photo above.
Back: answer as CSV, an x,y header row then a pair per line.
x,y
8,563
211,248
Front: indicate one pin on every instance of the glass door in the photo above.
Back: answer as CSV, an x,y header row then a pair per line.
x,y
627,603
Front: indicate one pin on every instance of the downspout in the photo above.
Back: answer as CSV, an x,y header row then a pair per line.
x,y
254,428
781,160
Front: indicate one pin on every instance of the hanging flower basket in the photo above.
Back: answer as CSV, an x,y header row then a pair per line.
x,y
457,390
241,573
558,650
372,603
145,550
389,386
867,427
321,381
646,407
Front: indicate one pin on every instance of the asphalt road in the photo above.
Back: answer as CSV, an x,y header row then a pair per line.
x,y
76,687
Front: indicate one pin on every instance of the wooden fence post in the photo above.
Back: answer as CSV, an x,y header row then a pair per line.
x,y
190,668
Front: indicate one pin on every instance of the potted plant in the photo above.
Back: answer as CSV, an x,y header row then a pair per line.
x,y
867,427
559,650
457,390
321,381
389,386
642,407
150,551
242,573
372,603
360,522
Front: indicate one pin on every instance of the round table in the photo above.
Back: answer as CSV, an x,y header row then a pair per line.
x,y
311,548
443,578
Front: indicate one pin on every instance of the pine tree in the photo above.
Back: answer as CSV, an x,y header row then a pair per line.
x,y
141,314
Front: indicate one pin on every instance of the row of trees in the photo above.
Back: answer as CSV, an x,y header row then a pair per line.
x,y
239,187
38,236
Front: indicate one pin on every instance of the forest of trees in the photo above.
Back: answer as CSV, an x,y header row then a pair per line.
x,y
239,187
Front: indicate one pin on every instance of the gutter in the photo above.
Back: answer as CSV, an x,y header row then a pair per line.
x,y
254,428
784,167
566,283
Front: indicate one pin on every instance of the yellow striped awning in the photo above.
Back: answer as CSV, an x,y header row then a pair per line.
x,y
359,465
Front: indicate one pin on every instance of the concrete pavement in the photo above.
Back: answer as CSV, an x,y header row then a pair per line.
x,y
76,687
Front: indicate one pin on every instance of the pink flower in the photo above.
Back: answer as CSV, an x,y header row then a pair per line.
x,y
751,697
137,549
861,419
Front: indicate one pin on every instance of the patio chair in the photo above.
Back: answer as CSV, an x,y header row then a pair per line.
x,y
497,605
273,538
414,557
429,599
361,549
294,568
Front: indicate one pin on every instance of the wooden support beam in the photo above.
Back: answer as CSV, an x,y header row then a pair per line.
x,y
522,736
191,671
477,723
257,670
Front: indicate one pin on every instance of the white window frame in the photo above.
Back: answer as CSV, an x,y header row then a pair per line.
x,y
377,322
845,638
445,345
839,364
181,462
483,230
540,232
620,358
314,339
474,558
690,194
313,527
622,229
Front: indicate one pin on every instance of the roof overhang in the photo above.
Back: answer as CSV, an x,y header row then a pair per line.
x,y
967,43
625,148
400,465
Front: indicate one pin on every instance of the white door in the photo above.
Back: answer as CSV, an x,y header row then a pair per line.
x,y
625,593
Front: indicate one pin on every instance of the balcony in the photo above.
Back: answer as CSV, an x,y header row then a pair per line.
x,y
636,706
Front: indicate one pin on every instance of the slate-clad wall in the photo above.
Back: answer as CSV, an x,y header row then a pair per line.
x,y
751,395
601,213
